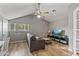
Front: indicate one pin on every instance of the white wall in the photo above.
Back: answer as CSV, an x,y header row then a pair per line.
x,y
62,24
60,21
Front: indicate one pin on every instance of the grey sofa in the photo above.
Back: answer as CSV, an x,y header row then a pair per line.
x,y
35,44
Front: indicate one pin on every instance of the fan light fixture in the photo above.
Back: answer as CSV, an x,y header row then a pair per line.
x,y
38,16
38,11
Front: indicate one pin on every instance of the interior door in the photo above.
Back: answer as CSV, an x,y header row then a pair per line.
x,y
0,29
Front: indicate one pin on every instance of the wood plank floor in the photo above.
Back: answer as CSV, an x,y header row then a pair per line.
x,y
19,49
54,49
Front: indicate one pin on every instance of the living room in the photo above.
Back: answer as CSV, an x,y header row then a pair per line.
x,y
38,29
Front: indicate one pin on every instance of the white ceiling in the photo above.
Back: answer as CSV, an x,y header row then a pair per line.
x,y
14,10
61,11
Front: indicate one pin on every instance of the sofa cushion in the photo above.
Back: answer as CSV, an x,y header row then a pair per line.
x,y
33,38
56,31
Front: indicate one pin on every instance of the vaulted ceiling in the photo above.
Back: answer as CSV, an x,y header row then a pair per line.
x,y
15,10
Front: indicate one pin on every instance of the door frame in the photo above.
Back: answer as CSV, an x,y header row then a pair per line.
x,y
74,30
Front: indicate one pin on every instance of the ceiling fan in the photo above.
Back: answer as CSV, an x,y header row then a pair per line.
x,y
40,13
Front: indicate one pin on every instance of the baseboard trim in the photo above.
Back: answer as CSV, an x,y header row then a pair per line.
x,y
72,51
18,41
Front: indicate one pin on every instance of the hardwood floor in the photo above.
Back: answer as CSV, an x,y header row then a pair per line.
x,y
54,49
19,49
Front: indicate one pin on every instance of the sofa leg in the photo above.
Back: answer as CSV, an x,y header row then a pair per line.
x,y
67,43
59,40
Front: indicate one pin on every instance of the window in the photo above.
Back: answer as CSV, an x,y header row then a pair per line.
x,y
26,26
19,27
12,27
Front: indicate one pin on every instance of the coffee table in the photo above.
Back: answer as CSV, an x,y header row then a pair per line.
x,y
47,41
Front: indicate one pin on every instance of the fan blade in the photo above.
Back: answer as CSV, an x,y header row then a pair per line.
x,y
44,12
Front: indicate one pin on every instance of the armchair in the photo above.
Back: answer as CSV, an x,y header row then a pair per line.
x,y
36,44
